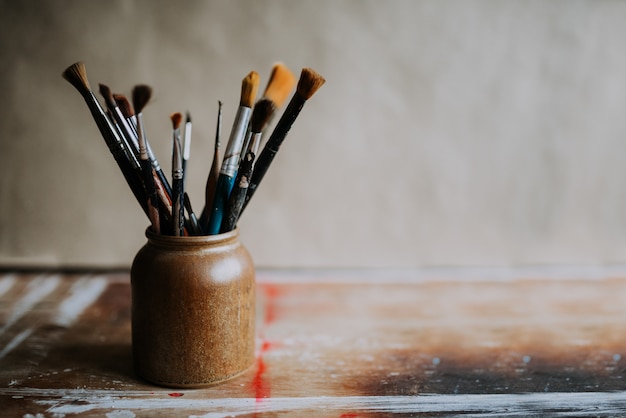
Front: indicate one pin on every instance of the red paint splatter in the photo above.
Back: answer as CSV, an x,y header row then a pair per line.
x,y
266,346
270,314
272,290
260,384
176,394
271,293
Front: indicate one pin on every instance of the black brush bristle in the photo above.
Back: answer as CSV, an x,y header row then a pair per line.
x,y
141,97
261,114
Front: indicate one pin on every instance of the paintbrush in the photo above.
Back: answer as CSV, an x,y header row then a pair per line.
x,y
178,190
214,172
76,75
141,95
186,145
122,102
263,111
260,116
165,205
309,82
230,162
131,118
165,199
279,87
127,134
238,194
193,220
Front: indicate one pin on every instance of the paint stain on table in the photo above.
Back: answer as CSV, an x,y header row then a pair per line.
x,y
331,349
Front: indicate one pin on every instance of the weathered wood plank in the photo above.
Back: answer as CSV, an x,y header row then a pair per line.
x,y
486,348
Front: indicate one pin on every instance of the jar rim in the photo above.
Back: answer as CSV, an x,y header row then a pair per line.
x,y
191,240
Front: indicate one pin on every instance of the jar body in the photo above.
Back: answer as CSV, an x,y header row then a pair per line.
x,y
193,309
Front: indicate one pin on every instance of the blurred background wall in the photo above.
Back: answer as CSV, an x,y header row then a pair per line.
x,y
449,133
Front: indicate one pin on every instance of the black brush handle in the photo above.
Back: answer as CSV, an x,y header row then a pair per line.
x,y
107,130
192,225
273,144
178,207
131,123
238,194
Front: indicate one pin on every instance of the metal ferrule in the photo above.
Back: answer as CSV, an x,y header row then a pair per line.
x,y
127,137
255,141
235,142
142,145
177,161
108,130
148,150
132,121
151,156
129,133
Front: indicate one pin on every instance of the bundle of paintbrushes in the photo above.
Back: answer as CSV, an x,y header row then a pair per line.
x,y
232,180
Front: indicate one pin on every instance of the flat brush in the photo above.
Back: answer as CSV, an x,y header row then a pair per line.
x,y
280,84
165,199
122,102
127,134
141,96
263,111
279,87
230,162
76,75
178,191
309,82
261,114
214,172
131,118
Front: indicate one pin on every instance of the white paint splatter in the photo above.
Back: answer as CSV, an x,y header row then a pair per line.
x,y
16,341
121,414
6,283
65,401
83,293
37,289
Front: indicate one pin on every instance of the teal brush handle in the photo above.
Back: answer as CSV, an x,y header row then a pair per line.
x,y
222,192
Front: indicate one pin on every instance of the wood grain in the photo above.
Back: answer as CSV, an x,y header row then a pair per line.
x,y
336,348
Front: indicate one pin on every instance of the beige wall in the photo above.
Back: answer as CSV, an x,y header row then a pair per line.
x,y
448,133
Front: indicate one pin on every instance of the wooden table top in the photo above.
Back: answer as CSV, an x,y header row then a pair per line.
x,y
329,345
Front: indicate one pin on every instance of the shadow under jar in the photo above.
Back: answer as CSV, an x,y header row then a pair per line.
x,y
193,309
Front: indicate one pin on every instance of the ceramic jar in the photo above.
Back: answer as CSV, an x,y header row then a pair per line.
x,y
193,309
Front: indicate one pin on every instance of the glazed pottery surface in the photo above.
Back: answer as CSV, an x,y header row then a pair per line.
x,y
193,309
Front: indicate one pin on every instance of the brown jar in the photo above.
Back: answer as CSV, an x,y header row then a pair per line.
x,y
193,309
